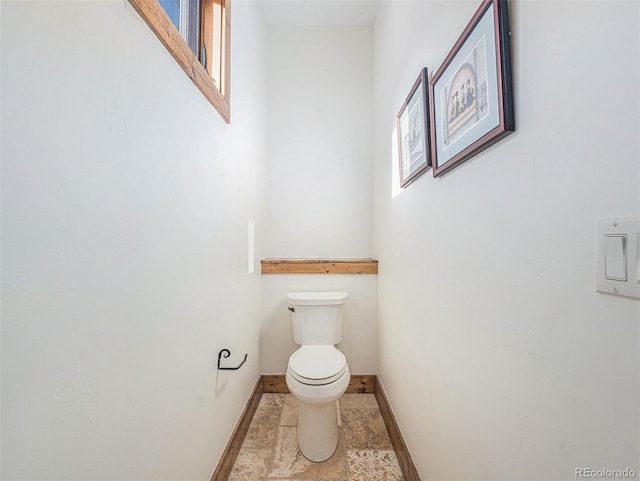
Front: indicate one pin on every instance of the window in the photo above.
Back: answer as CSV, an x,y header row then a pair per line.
x,y
197,34
185,15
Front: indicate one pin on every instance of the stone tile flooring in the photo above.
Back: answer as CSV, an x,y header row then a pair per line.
x,y
270,451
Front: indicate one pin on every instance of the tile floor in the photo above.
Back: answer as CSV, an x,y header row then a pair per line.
x,y
270,451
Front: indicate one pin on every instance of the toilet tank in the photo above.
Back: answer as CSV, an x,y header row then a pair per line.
x,y
317,317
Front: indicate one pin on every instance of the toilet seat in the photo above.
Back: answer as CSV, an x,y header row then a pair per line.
x,y
317,365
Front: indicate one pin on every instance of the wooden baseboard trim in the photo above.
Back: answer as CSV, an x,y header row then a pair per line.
x,y
358,384
409,472
274,383
362,384
230,453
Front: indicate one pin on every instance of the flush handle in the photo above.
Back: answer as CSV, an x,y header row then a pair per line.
x,y
291,309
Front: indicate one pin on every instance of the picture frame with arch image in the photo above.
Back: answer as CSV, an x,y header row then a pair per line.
x,y
471,94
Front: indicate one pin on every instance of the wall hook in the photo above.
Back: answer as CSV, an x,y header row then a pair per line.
x,y
226,353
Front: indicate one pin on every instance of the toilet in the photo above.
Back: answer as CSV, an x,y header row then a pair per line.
x,y
317,373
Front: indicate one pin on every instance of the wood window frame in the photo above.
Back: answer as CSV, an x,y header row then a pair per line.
x,y
218,95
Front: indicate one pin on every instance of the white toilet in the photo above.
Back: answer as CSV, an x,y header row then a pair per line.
x,y
317,374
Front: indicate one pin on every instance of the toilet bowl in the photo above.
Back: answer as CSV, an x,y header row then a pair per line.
x,y
317,376
317,372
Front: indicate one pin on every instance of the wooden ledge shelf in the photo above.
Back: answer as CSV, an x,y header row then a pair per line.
x,y
319,266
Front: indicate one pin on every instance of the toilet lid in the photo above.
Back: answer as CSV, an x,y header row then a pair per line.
x,y
317,364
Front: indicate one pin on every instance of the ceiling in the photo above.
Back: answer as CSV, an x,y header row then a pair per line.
x,y
304,13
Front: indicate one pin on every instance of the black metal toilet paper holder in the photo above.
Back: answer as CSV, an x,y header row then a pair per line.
x,y
226,353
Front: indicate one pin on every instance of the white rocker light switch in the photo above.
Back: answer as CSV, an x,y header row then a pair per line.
x,y
615,259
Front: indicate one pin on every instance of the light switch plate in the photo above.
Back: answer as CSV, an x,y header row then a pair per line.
x,y
617,257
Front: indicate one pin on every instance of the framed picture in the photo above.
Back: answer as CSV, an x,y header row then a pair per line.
x,y
471,94
413,132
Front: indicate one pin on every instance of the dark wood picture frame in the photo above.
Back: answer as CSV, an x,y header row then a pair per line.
x,y
471,94
414,154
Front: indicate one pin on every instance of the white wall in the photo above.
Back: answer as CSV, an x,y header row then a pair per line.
x,y
125,201
499,358
320,106
319,180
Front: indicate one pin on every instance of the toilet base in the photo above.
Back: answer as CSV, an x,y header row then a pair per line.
x,y
317,431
